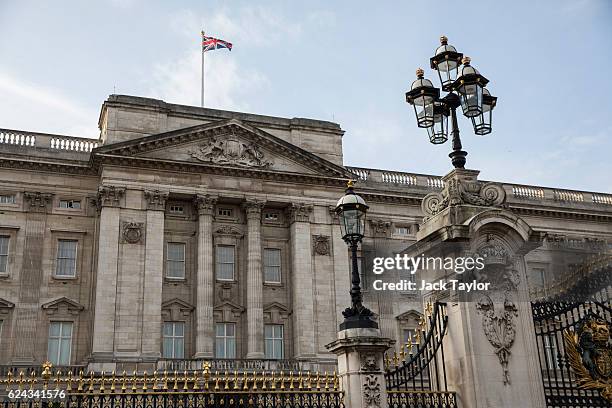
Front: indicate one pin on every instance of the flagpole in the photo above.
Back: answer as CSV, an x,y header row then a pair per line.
x,y
202,51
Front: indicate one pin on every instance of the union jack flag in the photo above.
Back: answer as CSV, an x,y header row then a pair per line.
x,y
210,43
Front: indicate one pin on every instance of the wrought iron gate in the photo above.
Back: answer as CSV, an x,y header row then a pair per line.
x,y
575,355
416,376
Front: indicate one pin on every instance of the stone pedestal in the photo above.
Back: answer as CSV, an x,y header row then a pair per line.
x,y
490,347
361,367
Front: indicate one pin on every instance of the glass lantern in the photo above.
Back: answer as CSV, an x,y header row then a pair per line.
x,y
438,132
469,85
422,96
352,209
447,62
482,123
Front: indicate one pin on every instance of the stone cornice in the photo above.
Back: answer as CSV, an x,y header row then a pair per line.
x,y
156,200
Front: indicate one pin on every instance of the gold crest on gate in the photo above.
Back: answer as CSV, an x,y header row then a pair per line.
x,y
590,355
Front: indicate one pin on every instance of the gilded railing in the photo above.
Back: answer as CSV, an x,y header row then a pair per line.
x,y
199,388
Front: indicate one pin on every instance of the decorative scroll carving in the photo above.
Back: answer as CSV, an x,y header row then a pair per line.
x,y
498,310
590,355
132,232
462,187
371,391
299,212
205,204
230,151
37,201
369,362
320,244
110,196
229,230
156,200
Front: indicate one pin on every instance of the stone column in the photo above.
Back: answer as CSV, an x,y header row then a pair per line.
x,y
206,278
360,367
27,311
302,282
153,279
255,329
106,280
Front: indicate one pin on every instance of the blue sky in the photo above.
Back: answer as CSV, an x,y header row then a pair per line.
x,y
549,63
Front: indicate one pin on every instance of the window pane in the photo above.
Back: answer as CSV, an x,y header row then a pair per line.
x,y
219,329
179,329
176,251
66,329
220,348
167,329
176,269
225,262
3,263
269,349
229,329
4,243
53,351
179,347
268,331
167,351
231,347
54,329
64,358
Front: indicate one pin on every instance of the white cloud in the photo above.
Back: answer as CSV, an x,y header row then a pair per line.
x,y
23,101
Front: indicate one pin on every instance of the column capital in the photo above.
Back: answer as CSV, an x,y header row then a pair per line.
x,y
299,212
253,208
205,203
109,196
37,201
156,200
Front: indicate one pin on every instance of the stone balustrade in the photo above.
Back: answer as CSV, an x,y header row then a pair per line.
x,y
514,192
46,141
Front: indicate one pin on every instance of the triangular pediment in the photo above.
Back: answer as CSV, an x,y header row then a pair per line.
x,y
410,315
230,144
229,305
177,303
5,304
63,305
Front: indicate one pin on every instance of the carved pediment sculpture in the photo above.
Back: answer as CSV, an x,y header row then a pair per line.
x,y
230,151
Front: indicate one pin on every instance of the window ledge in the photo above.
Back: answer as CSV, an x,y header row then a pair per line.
x,y
64,278
274,284
226,280
174,280
4,275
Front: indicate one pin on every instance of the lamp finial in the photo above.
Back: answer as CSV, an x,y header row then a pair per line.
x,y
443,40
420,72
466,60
350,184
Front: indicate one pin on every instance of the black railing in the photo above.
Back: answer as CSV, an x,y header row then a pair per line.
x,y
419,366
559,328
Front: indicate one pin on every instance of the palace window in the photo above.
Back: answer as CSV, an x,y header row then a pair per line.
x,y
175,260
60,343
274,345
402,231
73,204
174,340
177,209
270,216
66,258
4,252
225,340
225,258
272,265
7,198
225,212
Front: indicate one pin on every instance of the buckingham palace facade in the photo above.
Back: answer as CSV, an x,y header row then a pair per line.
x,y
185,234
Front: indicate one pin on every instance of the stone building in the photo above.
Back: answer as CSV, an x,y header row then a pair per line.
x,y
188,233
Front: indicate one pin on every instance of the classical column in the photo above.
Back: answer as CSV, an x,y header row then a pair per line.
x,y
205,205
153,273
302,282
106,281
255,327
27,311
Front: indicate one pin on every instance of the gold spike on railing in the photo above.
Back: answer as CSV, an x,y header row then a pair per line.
x,y
273,382
290,380
175,386
216,380
245,381
263,380
206,374
282,381
395,359
254,388
326,381
318,381
336,381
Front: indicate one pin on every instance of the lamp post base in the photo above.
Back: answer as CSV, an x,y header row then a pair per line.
x,y
358,322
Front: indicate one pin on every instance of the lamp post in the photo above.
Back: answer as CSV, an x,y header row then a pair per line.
x,y
465,87
352,210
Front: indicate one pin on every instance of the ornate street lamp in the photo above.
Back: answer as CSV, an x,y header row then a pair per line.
x,y
351,210
465,87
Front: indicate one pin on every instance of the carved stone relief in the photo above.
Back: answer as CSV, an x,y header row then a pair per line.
x,y
37,201
369,362
320,244
230,151
132,232
156,200
371,391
